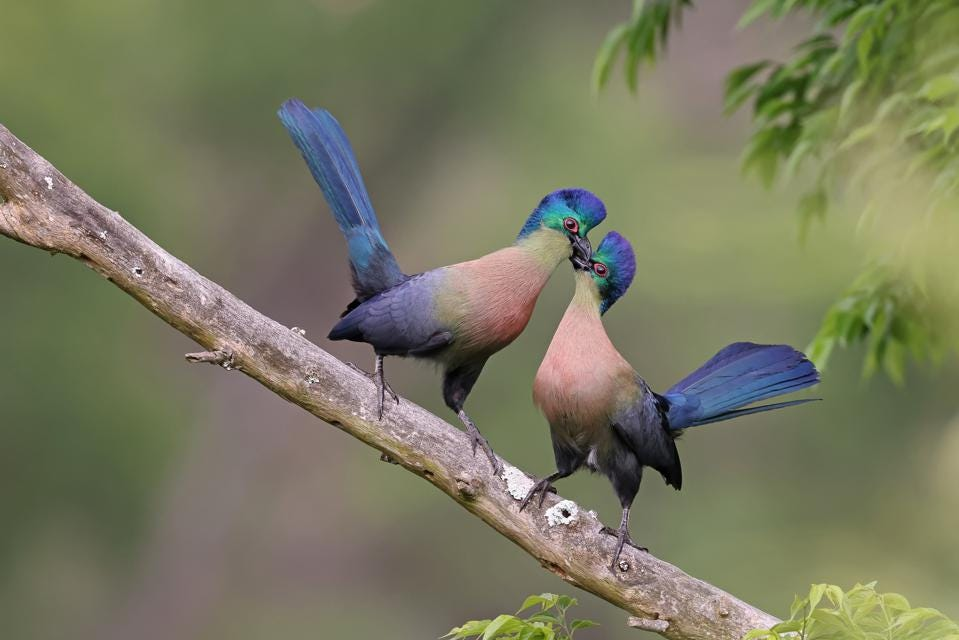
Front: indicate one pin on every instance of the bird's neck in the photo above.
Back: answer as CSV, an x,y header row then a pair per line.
x,y
582,375
546,248
586,301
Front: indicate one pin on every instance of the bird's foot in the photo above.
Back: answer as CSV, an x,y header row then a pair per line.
x,y
385,388
478,440
622,539
542,487
359,370
382,386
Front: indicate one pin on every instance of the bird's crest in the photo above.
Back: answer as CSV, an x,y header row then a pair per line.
x,y
615,254
584,206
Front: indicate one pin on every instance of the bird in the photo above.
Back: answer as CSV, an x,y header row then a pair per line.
x,y
455,316
604,416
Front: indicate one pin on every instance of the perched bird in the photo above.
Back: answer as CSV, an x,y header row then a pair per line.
x,y
457,316
603,415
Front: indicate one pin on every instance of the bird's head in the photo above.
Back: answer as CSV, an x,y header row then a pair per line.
x,y
570,212
611,269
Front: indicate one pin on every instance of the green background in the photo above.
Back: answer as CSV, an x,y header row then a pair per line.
x,y
144,498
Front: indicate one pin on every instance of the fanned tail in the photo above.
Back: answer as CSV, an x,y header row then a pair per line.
x,y
739,375
329,155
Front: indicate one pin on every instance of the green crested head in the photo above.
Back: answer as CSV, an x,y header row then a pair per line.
x,y
571,212
612,268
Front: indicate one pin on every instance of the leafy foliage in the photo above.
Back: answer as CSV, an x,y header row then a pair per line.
x,y
548,622
891,315
868,104
643,36
861,613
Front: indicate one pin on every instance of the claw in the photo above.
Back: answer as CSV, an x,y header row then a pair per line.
x,y
478,440
542,487
622,536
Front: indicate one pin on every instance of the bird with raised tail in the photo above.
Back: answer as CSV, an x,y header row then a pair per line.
x,y
457,316
604,416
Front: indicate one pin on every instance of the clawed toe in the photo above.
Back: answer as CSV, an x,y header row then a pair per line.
x,y
542,488
623,539
478,440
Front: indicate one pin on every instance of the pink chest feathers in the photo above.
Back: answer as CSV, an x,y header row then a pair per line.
x,y
582,374
497,295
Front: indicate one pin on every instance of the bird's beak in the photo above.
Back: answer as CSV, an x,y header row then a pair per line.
x,y
582,252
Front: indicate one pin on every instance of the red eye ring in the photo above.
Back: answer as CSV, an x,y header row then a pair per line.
x,y
571,225
600,269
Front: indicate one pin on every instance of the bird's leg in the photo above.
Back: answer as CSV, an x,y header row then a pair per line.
x,y
379,380
382,385
622,538
479,440
542,487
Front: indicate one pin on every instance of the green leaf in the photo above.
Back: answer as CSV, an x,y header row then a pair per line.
x,y
858,135
858,21
501,625
940,87
603,64
863,50
758,8
738,87
471,628
582,624
849,98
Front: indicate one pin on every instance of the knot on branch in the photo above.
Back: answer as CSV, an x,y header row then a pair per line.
x,y
648,624
222,358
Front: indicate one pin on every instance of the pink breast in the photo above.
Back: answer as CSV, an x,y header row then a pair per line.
x,y
500,292
582,374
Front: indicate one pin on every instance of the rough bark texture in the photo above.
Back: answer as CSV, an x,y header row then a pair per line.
x,y
41,208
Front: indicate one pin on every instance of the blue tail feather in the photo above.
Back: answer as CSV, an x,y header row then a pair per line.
x,y
740,374
330,157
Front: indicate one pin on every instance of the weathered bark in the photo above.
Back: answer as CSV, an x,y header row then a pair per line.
x,y
41,208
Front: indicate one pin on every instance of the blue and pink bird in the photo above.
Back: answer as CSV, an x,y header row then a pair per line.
x,y
602,414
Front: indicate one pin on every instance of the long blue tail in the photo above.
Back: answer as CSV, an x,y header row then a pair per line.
x,y
329,155
739,375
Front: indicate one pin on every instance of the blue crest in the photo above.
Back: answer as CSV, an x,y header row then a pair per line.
x,y
579,203
618,256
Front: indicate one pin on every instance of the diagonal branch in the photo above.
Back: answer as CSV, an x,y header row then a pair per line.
x,y
42,208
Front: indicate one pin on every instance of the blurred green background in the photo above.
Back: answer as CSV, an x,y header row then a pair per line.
x,y
144,498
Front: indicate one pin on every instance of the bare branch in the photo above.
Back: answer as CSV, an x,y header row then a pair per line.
x,y
41,208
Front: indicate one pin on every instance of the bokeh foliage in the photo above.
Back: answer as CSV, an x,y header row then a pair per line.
x,y
829,613
548,621
864,116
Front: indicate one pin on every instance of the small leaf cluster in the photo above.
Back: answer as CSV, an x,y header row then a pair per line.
x,y
862,613
547,621
642,38
890,314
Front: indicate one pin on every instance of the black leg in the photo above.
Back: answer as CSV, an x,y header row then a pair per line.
x,y
382,385
542,487
479,440
379,380
622,538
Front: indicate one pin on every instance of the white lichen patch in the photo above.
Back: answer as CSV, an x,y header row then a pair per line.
x,y
518,483
49,182
102,235
565,512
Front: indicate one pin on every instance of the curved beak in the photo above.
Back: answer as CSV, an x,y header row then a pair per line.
x,y
582,252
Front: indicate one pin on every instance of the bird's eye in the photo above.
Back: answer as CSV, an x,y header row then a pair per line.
x,y
571,225
600,269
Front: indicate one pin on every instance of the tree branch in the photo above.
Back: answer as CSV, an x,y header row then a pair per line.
x,y
42,208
